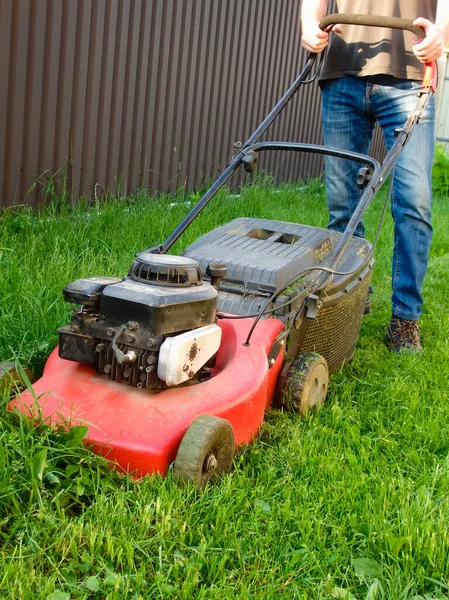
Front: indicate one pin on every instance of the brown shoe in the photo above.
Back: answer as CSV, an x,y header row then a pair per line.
x,y
403,335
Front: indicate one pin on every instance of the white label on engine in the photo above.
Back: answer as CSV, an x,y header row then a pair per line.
x,y
181,356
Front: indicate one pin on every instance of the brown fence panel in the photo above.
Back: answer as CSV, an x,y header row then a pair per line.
x,y
145,93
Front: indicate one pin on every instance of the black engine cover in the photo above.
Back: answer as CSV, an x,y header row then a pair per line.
x,y
157,309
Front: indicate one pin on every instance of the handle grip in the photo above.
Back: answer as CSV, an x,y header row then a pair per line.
x,y
430,72
372,21
430,80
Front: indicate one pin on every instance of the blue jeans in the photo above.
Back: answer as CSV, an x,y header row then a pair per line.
x,y
351,107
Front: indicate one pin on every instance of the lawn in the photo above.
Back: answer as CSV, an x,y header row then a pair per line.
x,y
348,503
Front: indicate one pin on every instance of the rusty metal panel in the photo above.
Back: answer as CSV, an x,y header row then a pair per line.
x,y
145,94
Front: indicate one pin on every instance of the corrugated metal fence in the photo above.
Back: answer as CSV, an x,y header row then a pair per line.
x,y
151,93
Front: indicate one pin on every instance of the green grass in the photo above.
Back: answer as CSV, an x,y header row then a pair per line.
x,y
352,502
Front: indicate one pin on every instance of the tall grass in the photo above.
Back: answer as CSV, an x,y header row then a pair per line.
x,y
351,502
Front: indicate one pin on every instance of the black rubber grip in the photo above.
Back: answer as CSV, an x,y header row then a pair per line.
x,y
372,21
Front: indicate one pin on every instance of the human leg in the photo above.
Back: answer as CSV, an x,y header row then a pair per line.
x,y
392,101
348,124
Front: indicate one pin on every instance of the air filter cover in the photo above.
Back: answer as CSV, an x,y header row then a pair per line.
x,y
181,356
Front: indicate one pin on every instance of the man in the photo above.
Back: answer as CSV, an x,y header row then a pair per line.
x,y
373,74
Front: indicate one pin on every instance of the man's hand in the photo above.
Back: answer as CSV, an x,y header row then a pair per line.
x,y
431,47
315,39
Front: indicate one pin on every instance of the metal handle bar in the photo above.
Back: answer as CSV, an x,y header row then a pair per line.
x,y
316,149
372,21
430,70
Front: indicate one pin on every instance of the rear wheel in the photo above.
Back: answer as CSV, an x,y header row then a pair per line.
x,y
206,450
306,383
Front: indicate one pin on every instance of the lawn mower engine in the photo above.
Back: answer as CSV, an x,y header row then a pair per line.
x,y
154,329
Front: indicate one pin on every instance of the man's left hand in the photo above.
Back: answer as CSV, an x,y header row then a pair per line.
x,y
431,47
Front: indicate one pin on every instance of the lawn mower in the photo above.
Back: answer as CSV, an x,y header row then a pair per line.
x,y
176,363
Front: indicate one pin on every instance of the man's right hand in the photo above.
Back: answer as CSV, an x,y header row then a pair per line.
x,y
313,38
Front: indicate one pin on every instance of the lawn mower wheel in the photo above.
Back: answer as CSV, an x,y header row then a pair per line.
x,y
306,382
206,450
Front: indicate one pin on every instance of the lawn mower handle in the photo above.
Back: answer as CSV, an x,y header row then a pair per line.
x,y
372,21
430,72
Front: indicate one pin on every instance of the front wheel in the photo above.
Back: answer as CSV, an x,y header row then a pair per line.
x,y
205,451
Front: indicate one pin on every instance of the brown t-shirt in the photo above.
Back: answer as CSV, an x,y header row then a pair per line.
x,y
362,51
